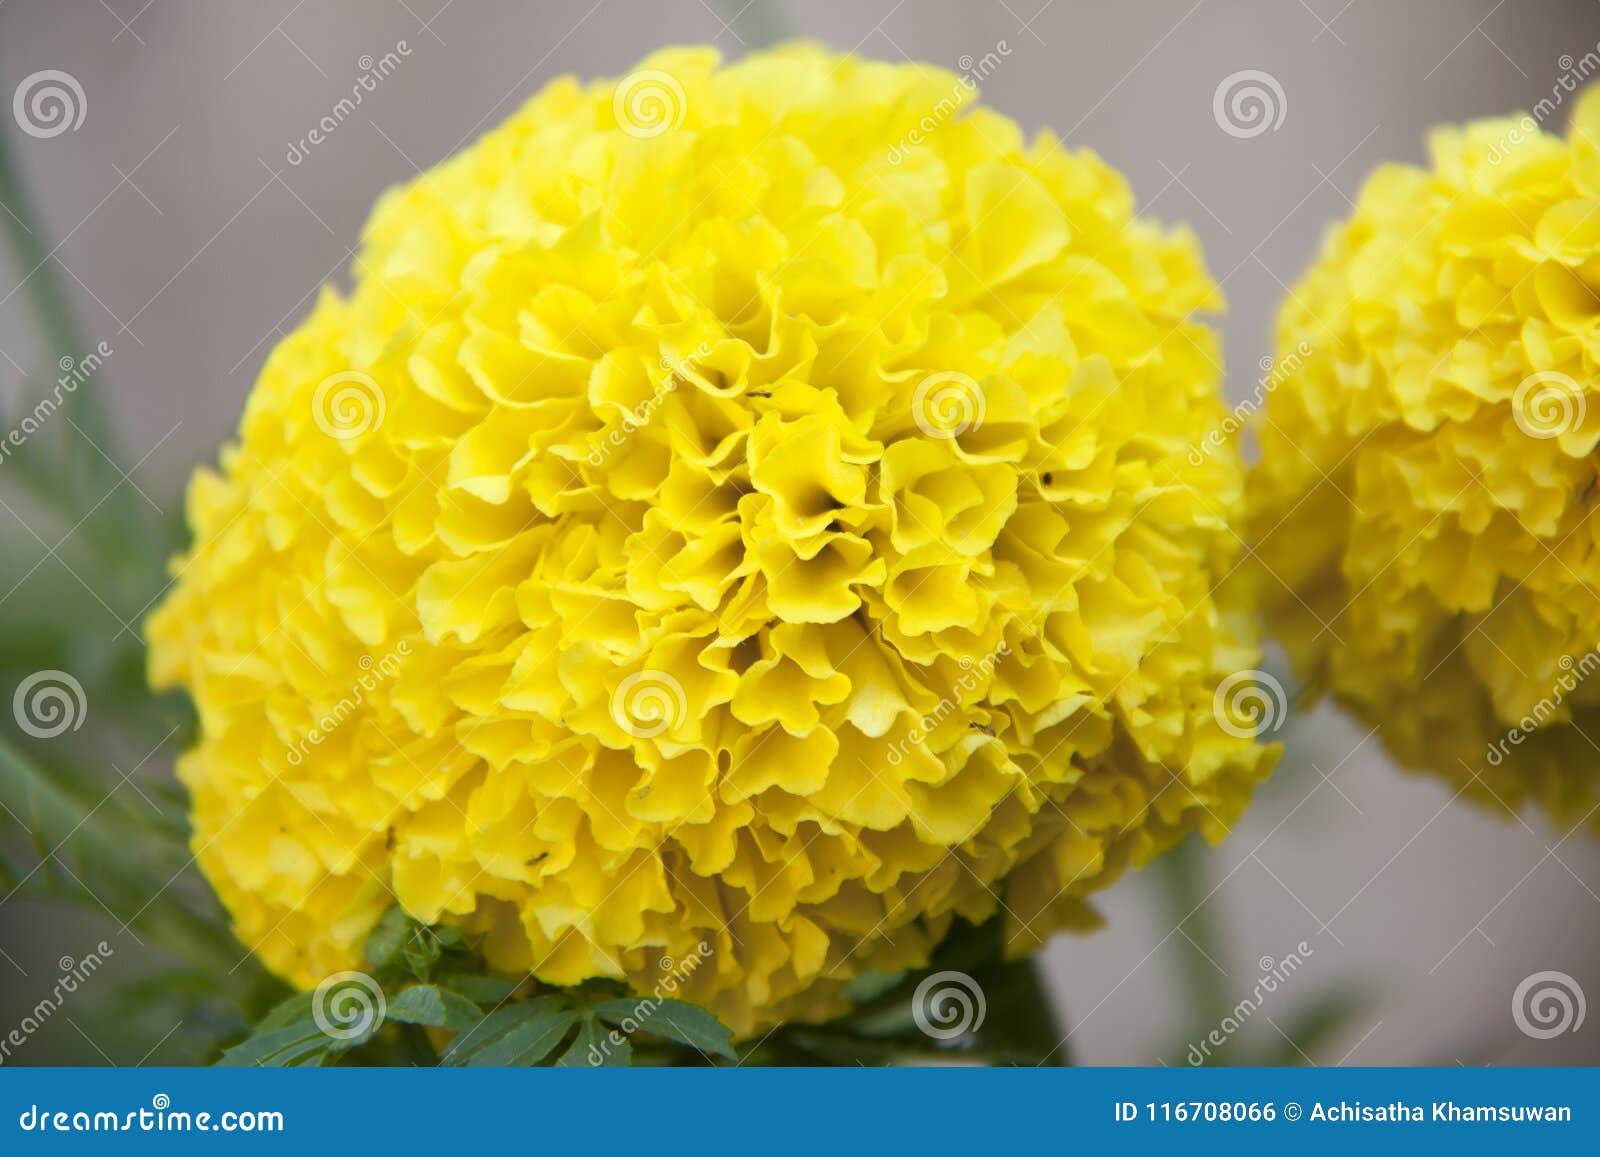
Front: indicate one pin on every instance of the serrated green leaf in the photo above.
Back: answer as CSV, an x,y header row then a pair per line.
x,y
282,1047
596,1046
519,1034
435,1007
677,1020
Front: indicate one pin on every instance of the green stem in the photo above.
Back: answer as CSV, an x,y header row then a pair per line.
x,y
62,337
1183,880
1021,1016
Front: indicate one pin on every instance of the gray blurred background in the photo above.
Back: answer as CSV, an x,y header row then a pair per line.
x,y
188,243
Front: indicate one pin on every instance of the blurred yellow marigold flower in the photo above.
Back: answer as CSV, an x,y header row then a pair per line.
x,y
712,518
1427,505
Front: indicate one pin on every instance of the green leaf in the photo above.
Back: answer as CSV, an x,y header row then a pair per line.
x,y
434,1007
295,1045
519,1034
481,990
387,939
677,1020
596,1046
871,984
292,1011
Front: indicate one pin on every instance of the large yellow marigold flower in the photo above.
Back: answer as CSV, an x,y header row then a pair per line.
x,y
1427,507
735,505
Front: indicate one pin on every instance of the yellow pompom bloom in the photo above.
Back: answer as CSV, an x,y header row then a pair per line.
x,y
1427,506
733,507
